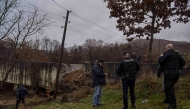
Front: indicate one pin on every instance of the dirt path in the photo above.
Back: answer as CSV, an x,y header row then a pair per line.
x,y
35,100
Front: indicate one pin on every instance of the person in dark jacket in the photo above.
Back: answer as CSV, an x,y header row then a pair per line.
x,y
98,82
20,94
171,63
133,56
139,58
128,69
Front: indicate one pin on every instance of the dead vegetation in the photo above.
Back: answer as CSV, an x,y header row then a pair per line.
x,y
75,85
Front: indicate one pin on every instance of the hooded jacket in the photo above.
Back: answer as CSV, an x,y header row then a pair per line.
x,y
21,92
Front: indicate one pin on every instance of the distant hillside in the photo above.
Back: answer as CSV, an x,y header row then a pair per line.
x,y
159,44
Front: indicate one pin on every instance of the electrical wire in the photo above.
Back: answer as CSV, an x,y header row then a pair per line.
x,y
53,4
79,24
89,28
76,23
58,26
58,5
90,35
47,16
56,34
105,38
93,23
44,11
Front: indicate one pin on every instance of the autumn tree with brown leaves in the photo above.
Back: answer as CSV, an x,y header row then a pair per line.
x,y
144,18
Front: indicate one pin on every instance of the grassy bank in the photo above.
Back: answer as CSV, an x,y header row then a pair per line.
x,y
146,89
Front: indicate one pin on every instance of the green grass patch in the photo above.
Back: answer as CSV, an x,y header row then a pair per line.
x,y
147,88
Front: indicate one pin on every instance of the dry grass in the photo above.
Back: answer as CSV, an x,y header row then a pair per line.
x,y
147,87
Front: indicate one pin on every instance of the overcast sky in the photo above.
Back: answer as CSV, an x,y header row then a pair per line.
x,y
101,26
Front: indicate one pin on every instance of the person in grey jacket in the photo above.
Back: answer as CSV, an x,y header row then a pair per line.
x,y
20,94
98,82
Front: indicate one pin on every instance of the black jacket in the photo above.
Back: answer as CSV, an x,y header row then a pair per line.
x,y
98,75
21,92
133,56
171,60
128,66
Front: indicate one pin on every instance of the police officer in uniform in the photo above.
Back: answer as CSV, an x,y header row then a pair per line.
x,y
171,63
128,69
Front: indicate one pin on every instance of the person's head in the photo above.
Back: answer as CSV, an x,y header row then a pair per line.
x,y
125,54
19,85
96,61
100,62
168,46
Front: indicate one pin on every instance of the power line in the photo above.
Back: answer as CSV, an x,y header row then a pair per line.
x,y
92,29
85,33
58,26
93,23
77,23
45,11
53,4
81,32
44,14
56,34
88,34
89,28
58,5
46,37
50,17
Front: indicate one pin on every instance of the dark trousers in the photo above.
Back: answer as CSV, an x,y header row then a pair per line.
x,y
17,103
128,82
170,78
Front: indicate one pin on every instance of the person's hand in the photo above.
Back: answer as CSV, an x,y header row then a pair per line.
x,y
106,74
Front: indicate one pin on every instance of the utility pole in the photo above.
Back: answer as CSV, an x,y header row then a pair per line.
x,y
60,57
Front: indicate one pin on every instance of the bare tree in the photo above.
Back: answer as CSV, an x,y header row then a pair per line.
x,y
27,25
8,18
89,44
46,44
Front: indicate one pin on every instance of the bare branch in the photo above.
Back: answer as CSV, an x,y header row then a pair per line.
x,y
7,18
25,26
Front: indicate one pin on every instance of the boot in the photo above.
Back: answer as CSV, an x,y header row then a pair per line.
x,y
165,101
133,106
171,106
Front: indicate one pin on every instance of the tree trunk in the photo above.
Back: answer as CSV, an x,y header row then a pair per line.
x,y
152,35
91,54
7,74
35,77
